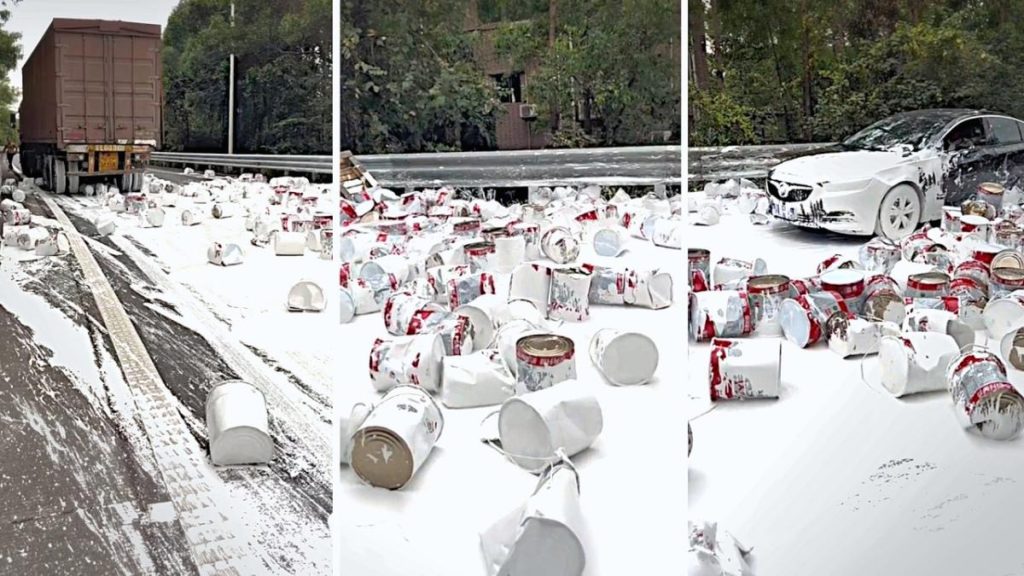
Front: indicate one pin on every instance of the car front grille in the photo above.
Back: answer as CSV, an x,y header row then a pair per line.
x,y
787,192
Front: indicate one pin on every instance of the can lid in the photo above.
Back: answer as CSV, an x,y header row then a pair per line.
x,y
767,283
991,188
483,245
1009,274
1008,259
930,278
698,253
545,345
381,458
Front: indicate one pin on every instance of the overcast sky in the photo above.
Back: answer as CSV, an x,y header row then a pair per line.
x,y
32,17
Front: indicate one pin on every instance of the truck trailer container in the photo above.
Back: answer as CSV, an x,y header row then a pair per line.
x,y
92,103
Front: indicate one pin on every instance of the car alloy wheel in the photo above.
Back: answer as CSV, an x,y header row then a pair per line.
x,y
899,213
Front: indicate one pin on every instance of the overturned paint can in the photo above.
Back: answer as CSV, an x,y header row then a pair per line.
x,y
237,425
803,318
534,427
467,288
836,262
486,313
883,301
975,270
1011,348
456,331
192,216
983,395
668,233
569,299
508,253
609,286
766,294
879,256
479,256
971,301
105,225
560,245
222,210
942,322
387,272
17,217
853,336
531,282
744,369
801,286
699,269
611,242
653,289
29,238
507,337
848,283
915,362
720,314
401,307
224,254
478,379
624,358
407,359
306,296
992,193
732,270
1004,314
347,426
135,203
289,243
152,217
543,360
927,285
396,438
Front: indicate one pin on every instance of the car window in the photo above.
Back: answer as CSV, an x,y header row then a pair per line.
x,y
966,134
1003,131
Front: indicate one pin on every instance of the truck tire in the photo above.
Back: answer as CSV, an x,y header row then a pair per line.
x,y
73,184
60,177
136,181
47,173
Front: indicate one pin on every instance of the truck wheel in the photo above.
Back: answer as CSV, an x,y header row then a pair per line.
x,y
126,183
72,184
60,178
47,178
136,181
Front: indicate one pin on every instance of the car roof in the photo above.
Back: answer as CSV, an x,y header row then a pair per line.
x,y
949,114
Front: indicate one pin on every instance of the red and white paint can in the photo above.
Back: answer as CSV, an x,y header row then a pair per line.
x,y
745,369
991,192
467,288
1005,280
836,262
983,395
848,283
480,256
456,332
766,294
560,245
401,307
624,358
544,360
927,285
801,286
569,298
610,286
407,359
699,261
396,438
720,314
879,256
915,362
803,318
975,270
731,271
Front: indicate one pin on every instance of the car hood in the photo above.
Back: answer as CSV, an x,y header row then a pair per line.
x,y
848,166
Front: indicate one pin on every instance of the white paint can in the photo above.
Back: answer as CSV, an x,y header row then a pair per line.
x,y
485,313
192,216
611,242
386,272
531,282
306,296
478,379
745,369
534,427
237,425
544,360
942,322
915,362
624,358
407,359
509,252
1004,314
222,210
560,245
653,290
224,254
569,299
396,438
668,233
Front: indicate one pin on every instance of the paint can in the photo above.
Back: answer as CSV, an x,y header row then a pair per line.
x,y
971,300
801,286
992,193
468,288
927,285
836,262
879,256
766,294
237,425
699,269
543,360
848,283
222,210
1011,348
477,379
978,207
105,224
560,245
1007,259
624,358
951,219
17,217
347,427
386,272
653,289
192,216
407,360
465,227
668,233
803,318
745,369
1004,314
720,314
941,322
134,203
152,216
509,252
289,243
569,298
915,362
883,301
983,395
306,296
609,286
29,238
224,254
531,235
486,313
401,307
974,270
531,282
732,270
396,438
479,256
1005,280
456,331
326,244
1008,235
853,336
534,427
975,226
611,242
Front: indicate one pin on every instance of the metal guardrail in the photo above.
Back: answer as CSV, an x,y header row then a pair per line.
x,y
301,164
642,165
715,164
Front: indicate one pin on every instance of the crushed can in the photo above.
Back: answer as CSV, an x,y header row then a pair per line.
x,y
569,299
983,395
720,314
744,369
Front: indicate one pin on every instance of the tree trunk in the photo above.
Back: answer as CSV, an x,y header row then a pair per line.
x,y
552,29
808,76
697,33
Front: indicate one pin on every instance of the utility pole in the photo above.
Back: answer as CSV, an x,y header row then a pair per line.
x,y
231,94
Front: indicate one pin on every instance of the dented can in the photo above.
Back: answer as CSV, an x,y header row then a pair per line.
x,y
396,438
766,294
883,300
569,299
744,369
992,193
560,245
1005,280
544,360
879,256
927,285
480,256
401,307
720,314
1004,314
983,396
731,271
699,261
456,331
835,262
803,318
803,286
975,270
609,286
465,289
406,359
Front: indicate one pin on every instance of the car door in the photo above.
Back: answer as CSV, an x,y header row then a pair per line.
x,y
967,145
1006,141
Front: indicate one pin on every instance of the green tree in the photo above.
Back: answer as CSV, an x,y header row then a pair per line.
x,y
10,52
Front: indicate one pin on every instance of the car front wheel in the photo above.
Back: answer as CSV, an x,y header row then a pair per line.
x,y
899,213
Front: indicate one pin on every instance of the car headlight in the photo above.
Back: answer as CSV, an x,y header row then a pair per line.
x,y
851,186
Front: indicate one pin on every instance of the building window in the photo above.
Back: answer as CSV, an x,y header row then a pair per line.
x,y
510,86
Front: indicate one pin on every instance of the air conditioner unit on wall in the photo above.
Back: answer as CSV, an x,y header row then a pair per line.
x,y
527,111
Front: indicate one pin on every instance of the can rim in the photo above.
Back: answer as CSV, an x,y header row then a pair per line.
x,y
558,345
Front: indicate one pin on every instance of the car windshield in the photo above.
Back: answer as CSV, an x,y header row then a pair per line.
x,y
913,130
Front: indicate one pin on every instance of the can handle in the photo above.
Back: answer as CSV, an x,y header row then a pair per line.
x,y
548,462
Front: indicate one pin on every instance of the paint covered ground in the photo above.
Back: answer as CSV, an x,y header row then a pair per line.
x,y
837,477
83,491
631,479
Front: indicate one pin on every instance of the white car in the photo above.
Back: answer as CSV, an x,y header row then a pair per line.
x,y
898,173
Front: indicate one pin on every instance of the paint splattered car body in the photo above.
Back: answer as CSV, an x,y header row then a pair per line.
x,y
943,155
